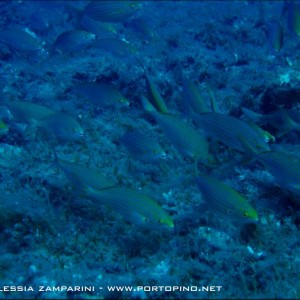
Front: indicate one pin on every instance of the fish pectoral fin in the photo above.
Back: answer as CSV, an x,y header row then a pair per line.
x,y
137,218
287,125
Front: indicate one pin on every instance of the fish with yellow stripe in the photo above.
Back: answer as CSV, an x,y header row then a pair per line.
x,y
283,167
27,112
101,94
292,11
192,97
275,35
283,120
60,125
186,140
154,97
111,11
225,200
82,177
135,207
21,41
72,41
227,129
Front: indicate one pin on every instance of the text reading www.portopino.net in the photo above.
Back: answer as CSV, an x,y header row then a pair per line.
x,y
112,288
165,288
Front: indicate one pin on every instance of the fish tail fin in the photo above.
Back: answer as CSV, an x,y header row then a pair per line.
x,y
212,99
147,105
251,115
74,13
288,125
250,152
140,63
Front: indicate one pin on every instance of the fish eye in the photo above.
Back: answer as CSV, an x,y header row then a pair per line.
x,y
76,131
246,214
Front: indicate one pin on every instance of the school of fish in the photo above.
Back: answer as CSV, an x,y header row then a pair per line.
x,y
192,133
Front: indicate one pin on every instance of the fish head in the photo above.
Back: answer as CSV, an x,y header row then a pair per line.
x,y
158,153
88,36
167,221
157,219
73,128
269,137
262,146
136,5
78,132
242,214
72,132
123,101
110,28
163,155
250,215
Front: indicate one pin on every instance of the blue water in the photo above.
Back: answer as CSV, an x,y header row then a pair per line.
x,y
56,243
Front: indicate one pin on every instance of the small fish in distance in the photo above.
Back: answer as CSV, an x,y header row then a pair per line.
x,y
101,94
72,41
20,40
81,177
226,129
285,168
142,147
62,126
27,112
134,206
283,120
111,11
